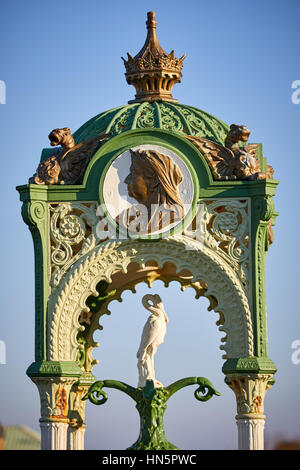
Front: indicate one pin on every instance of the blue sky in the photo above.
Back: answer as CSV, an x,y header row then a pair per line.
x,y
61,62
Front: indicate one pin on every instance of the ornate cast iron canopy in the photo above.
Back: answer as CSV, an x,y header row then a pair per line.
x,y
218,192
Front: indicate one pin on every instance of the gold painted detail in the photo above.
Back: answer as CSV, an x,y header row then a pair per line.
x,y
67,165
153,181
152,71
232,162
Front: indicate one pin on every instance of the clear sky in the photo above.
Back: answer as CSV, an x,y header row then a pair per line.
x,y
61,63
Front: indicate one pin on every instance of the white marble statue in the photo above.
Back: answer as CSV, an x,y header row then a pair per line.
x,y
153,335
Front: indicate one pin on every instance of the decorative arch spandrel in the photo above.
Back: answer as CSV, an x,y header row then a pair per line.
x,y
68,301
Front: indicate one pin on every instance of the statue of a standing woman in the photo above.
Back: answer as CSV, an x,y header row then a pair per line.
x,y
153,335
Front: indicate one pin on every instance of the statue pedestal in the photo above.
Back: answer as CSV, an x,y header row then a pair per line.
x,y
151,405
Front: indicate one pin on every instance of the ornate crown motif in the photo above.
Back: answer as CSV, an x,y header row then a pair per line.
x,y
152,71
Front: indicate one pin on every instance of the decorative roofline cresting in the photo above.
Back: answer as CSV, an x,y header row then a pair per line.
x,y
217,245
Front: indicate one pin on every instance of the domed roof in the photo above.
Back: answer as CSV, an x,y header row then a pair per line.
x,y
153,72
173,117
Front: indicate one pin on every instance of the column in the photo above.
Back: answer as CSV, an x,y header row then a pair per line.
x,y
76,429
250,390
76,415
54,422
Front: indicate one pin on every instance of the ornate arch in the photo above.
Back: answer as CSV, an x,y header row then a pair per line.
x,y
68,301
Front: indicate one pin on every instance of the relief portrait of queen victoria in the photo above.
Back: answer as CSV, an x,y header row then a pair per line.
x,y
153,182
155,187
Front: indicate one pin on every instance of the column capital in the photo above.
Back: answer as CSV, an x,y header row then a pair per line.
x,y
54,395
250,390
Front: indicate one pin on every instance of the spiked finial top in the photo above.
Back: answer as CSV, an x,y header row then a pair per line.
x,y
152,71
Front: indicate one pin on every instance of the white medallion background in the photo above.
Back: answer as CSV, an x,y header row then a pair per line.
x,y
115,192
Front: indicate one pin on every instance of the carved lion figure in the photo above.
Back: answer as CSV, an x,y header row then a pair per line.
x,y
237,133
68,165
61,137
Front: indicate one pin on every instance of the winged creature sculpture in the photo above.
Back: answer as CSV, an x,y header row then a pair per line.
x,y
232,162
67,166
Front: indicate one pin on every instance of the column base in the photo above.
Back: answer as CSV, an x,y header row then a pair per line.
x,y
250,432
54,435
76,438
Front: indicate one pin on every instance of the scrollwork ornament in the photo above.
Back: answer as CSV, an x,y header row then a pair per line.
x,y
170,120
37,211
264,207
151,403
220,130
71,225
123,122
206,389
198,126
225,228
95,394
226,223
146,117
60,255
70,229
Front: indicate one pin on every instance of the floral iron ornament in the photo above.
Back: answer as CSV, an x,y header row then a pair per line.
x,y
151,405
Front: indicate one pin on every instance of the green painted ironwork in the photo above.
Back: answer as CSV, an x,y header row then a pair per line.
x,y
172,117
151,406
94,304
261,365
36,200
54,369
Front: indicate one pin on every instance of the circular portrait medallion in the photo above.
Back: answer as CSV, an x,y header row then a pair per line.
x,y
148,190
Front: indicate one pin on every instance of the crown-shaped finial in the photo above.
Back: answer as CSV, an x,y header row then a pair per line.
x,y
152,71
